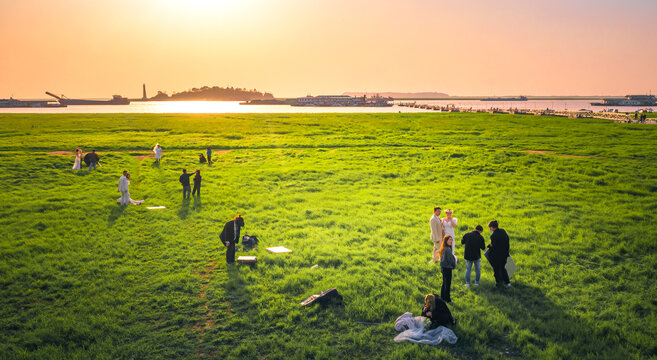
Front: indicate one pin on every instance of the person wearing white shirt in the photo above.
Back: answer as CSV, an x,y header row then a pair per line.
x,y
437,232
158,153
123,188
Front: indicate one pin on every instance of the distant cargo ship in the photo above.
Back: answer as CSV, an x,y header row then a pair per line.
x,y
116,100
521,98
13,103
343,101
628,100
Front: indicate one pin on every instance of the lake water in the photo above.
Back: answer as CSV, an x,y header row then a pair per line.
x,y
221,107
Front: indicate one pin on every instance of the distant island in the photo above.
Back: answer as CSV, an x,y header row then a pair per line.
x,y
402,95
214,93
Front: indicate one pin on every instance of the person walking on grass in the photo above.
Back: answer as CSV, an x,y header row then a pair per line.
x,y
92,159
473,242
208,152
437,232
498,253
197,183
231,236
158,153
447,264
437,311
184,181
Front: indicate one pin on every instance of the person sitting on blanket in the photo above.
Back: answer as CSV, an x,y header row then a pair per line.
x,y
436,309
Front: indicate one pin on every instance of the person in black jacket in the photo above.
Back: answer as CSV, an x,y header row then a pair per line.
x,y
184,181
436,310
231,236
197,183
91,159
473,242
498,253
447,264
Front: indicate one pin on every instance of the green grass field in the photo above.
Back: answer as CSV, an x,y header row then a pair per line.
x,y
81,277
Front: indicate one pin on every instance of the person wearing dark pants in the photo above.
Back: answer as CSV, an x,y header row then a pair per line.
x,y
197,183
230,236
184,180
447,263
208,152
498,253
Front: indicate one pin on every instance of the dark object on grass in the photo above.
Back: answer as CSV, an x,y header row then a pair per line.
x,y
201,159
230,236
91,157
249,242
327,297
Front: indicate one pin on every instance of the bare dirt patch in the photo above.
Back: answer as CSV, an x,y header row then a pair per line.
x,y
207,320
142,156
222,151
71,153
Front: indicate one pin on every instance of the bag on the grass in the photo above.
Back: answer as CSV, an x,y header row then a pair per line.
x,y
249,241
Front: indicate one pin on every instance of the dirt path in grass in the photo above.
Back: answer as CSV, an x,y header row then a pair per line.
x,y
545,152
67,153
207,320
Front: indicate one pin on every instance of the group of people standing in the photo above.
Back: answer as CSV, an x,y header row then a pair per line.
x,y
91,159
443,238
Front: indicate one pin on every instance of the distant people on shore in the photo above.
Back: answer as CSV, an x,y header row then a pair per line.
x,y
447,264
474,243
78,159
208,152
437,233
449,223
197,183
92,159
158,153
231,236
184,181
498,253
437,311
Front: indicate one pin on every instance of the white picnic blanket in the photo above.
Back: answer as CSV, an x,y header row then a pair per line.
x,y
412,329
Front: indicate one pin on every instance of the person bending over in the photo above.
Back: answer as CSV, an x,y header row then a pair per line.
x,y
231,236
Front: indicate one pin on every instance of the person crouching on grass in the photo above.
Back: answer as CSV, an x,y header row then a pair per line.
x,y
231,236
447,263
436,310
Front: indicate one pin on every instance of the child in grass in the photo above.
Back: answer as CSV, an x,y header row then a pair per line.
x,y
436,310
447,263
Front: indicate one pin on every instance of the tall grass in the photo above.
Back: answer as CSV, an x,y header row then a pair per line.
x,y
81,277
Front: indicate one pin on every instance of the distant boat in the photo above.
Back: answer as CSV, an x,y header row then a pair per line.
x,y
343,101
521,98
116,100
13,103
628,100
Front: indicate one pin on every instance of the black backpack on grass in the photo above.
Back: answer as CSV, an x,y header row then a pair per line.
x,y
249,242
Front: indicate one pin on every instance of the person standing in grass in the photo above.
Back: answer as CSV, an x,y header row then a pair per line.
x,y
184,180
123,189
208,152
78,159
437,232
498,253
436,310
231,236
158,153
449,223
473,242
197,183
92,159
447,264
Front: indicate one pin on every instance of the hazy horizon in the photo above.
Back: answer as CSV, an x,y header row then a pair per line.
x,y
293,48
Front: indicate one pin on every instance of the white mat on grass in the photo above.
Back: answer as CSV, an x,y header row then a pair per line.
x,y
278,249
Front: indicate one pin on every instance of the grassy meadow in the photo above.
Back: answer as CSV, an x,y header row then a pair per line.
x,y
82,277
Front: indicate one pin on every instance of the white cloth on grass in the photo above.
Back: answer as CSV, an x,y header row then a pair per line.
x,y
412,329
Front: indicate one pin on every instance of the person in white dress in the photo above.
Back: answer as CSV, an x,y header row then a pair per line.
x,y
78,159
449,223
158,153
124,189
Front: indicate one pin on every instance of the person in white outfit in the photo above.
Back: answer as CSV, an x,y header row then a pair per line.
x,y
437,232
78,159
123,189
158,153
449,223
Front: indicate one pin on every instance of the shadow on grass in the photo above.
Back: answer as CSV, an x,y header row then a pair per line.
x,y
116,211
183,213
155,164
546,326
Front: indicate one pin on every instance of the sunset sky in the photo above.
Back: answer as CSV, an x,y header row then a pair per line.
x,y
85,48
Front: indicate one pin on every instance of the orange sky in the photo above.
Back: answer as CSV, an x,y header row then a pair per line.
x,y
95,48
